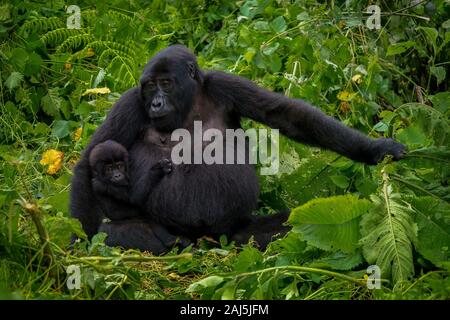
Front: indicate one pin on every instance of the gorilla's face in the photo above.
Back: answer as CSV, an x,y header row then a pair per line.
x,y
168,86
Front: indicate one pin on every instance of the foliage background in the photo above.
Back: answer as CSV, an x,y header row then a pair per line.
x,y
57,85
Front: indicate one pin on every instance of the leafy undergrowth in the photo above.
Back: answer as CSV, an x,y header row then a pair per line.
x,y
57,85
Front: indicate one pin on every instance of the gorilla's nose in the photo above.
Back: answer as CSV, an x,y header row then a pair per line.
x,y
157,103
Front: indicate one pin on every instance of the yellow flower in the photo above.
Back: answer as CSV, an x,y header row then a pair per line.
x,y
104,90
90,52
345,96
67,66
357,78
77,134
53,158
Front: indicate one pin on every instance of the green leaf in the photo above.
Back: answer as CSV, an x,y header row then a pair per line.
x,y
61,229
341,181
388,231
441,101
18,60
278,24
330,223
433,220
13,80
332,210
381,127
340,261
270,49
413,135
431,35
331,237
439,73
51,102
60,201
303,16
33,65
248,260
261,25
399,47
212,281
61,129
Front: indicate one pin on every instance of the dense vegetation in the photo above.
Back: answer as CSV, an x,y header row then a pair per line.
x,y
57,85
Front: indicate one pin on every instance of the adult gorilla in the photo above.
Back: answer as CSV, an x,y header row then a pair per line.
x,y
200,199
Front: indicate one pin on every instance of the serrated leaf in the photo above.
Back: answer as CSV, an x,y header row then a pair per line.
x,y
51,102
388,231
13,80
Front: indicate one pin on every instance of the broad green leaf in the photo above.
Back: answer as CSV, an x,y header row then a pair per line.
x,y
433,220
13,80
413,135
51,102
61,129
261,25
341,181
331,237
441,101
61,229
271,48
438,72
303,16
332,210
399,47
18,60
330,223
278,24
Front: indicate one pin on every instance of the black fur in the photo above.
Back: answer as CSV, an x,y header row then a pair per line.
x,y
202,199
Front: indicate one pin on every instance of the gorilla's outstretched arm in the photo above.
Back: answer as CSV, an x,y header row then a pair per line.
x,y
297,119
122,125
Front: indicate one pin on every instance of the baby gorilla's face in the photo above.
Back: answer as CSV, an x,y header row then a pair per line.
x,y
115,173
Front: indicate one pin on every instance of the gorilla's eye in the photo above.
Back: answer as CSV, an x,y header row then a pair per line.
x,y
120,166
150,85
108,169
166,84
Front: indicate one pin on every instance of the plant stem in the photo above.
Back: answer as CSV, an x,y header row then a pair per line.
x,y
133,258
360,282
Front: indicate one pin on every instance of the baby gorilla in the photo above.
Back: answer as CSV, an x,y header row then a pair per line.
x,y
110,183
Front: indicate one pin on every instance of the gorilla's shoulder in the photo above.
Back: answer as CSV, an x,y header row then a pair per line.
x,y
129,99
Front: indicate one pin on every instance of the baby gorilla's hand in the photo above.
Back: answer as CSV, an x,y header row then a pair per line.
x,y
165,165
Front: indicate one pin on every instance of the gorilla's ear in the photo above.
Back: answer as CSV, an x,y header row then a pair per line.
x,y
192,69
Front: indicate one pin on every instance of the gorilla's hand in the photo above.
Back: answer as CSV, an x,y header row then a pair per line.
x,y
165,165
383,147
